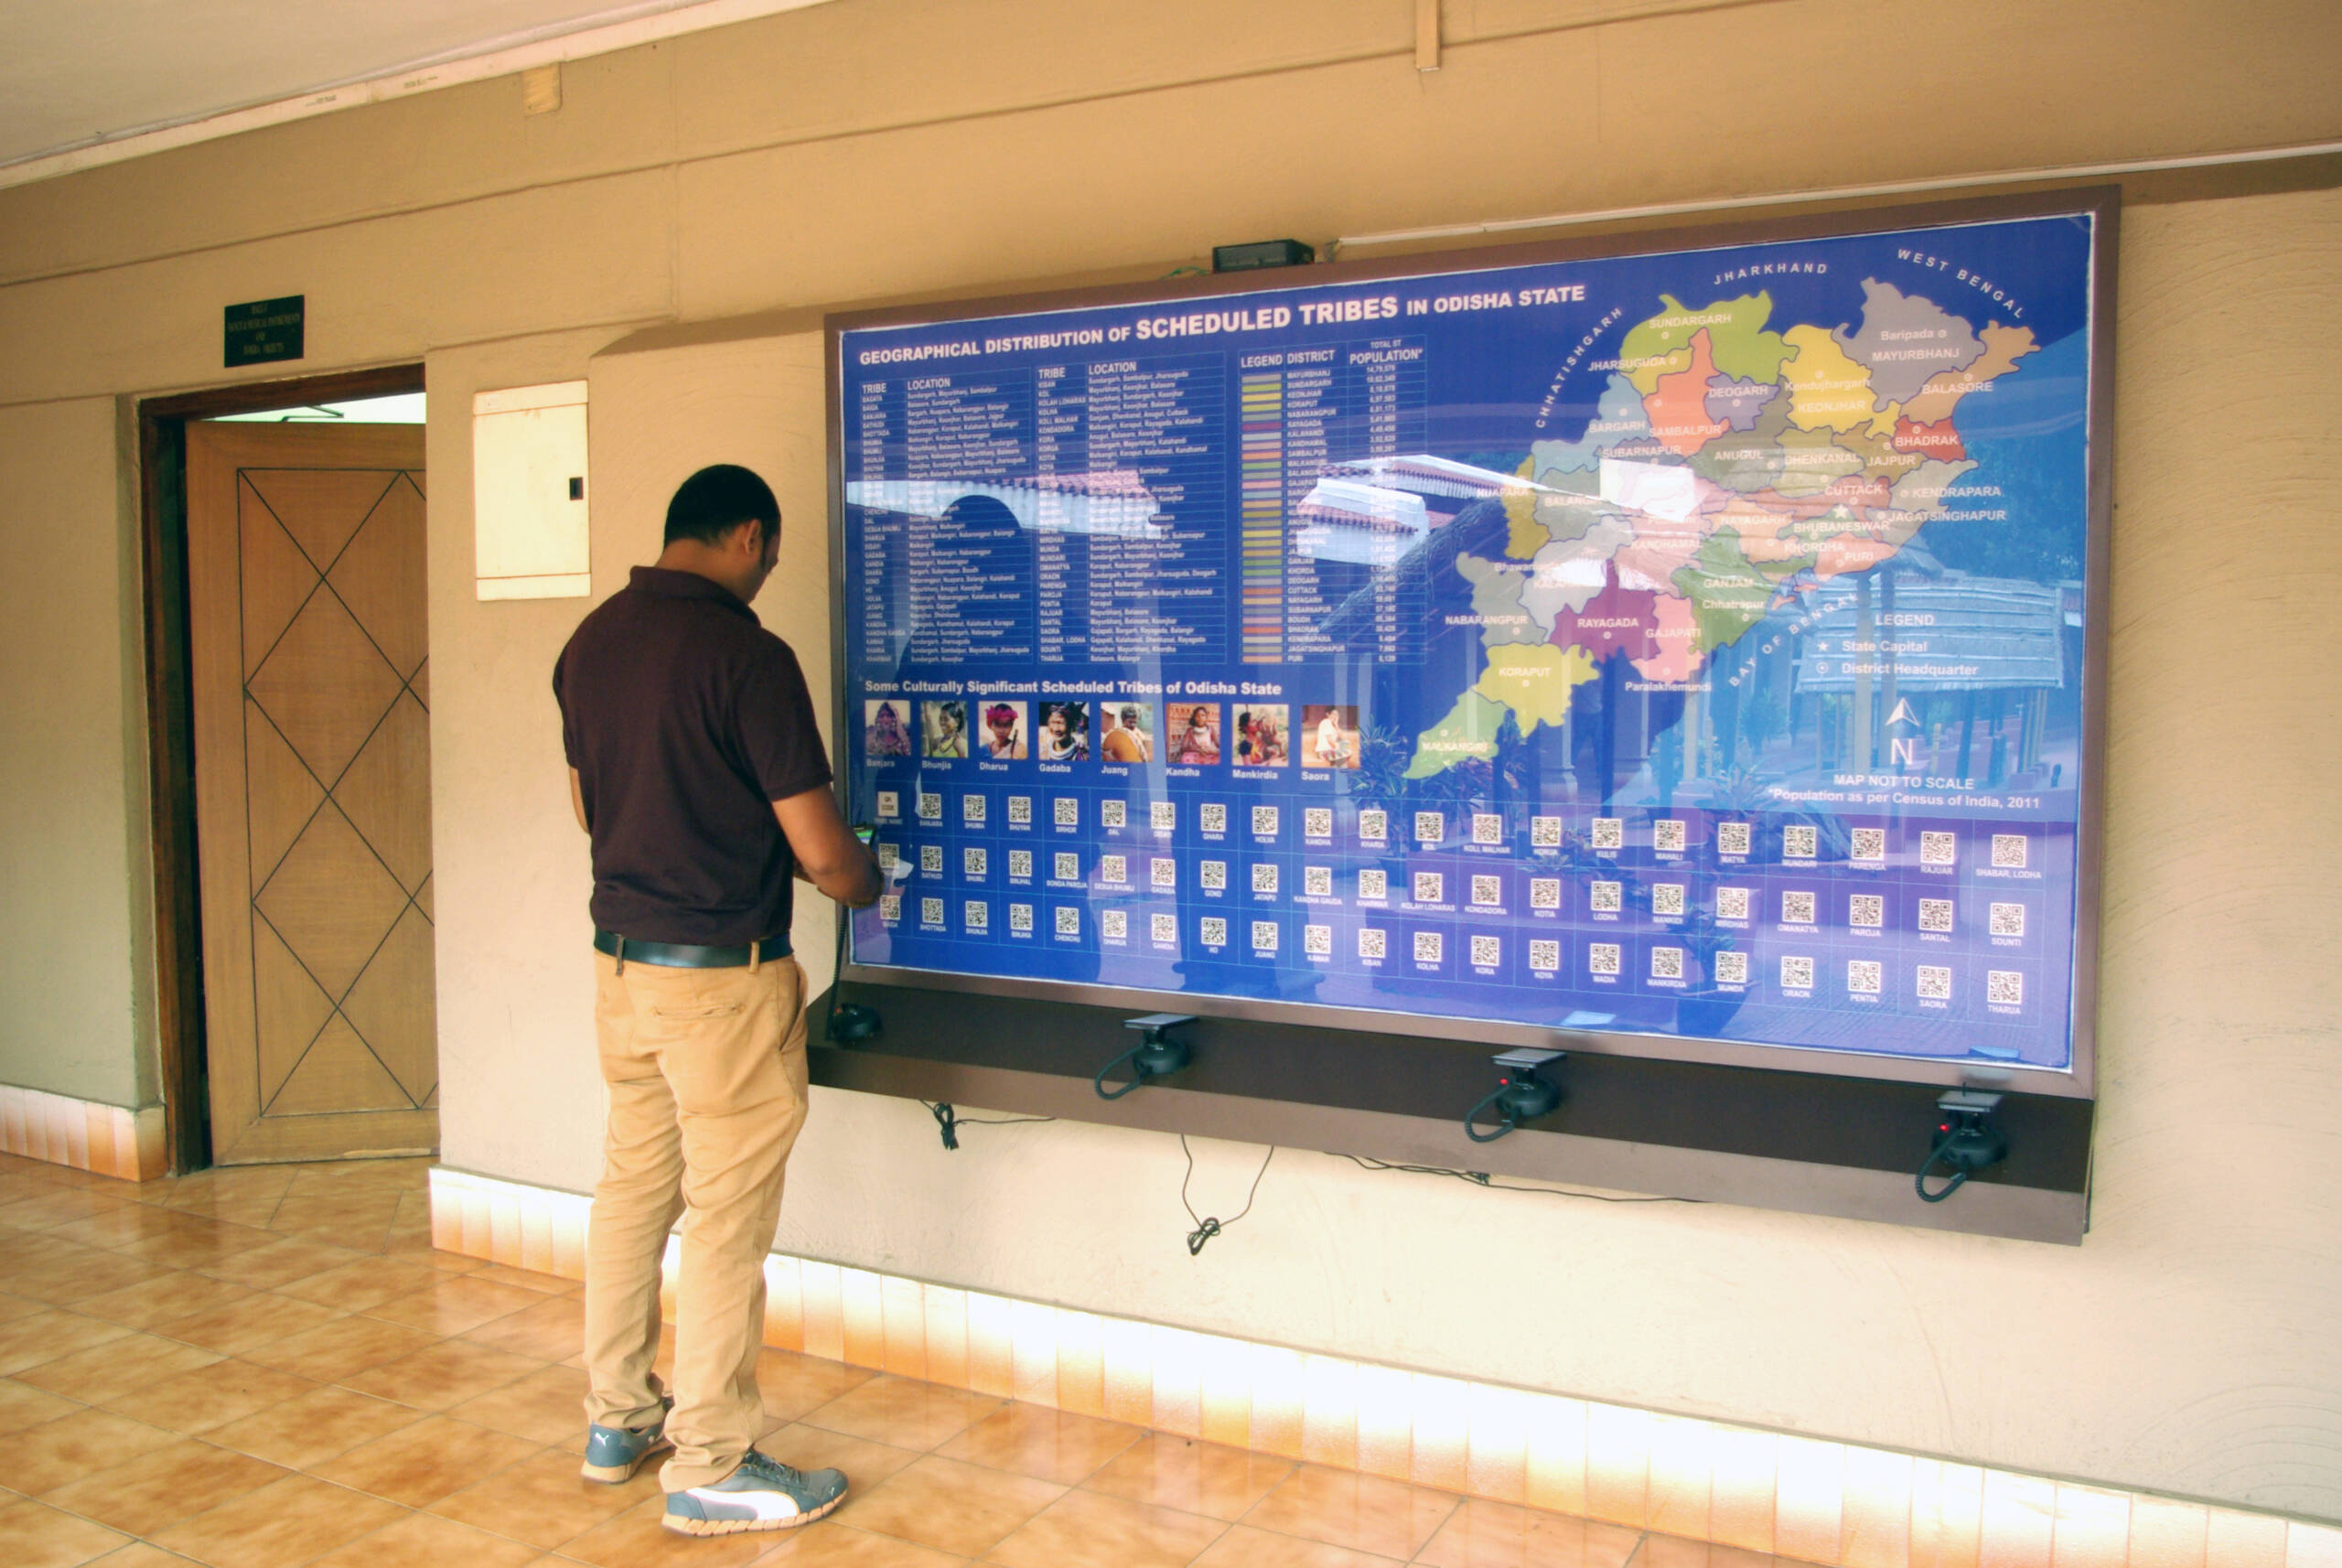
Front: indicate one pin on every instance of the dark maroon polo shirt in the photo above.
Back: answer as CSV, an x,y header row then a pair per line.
x,y
685,720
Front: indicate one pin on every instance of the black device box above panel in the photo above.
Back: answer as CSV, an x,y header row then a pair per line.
x,y
1260,253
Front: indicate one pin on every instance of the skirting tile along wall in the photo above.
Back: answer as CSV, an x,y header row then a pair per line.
x,y
1796,1496
104,1139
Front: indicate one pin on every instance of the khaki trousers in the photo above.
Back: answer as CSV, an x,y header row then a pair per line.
x,y
706,1076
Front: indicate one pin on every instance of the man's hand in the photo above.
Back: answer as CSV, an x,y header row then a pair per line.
x,y
827,852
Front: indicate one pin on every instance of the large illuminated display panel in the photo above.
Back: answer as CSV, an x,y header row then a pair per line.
x,y
1685,650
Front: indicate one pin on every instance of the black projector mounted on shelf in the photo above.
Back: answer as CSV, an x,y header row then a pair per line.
x,y
1260,253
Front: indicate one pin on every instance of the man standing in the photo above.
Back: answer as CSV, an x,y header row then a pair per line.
x,y
695,767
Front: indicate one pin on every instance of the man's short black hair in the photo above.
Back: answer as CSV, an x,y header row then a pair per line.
x,y
719,498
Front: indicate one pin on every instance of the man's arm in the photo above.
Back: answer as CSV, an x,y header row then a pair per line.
x,y
828,854
577,798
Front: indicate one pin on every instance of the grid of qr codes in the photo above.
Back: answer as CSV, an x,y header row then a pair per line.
x,y
1601,905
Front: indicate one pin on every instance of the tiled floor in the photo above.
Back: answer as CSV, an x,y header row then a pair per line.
x,y
267,1367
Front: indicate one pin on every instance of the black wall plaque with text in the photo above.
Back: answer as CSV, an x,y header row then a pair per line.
x,y
264,330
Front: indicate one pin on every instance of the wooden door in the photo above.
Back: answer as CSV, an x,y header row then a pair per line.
x,y
313,788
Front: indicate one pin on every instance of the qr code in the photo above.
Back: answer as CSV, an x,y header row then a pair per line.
x,y
1431,827
2008,851
1609,833
1870,843
1318,881
1113,813
1020,863
1265,821
1607,898
1264,936
930,859
1372,941
1732,903
1215,930
1066,811
1544,892
1863,976
1113,924
1429,947
1601,958
1545,954
1212,874
890,907
1264,876
1667,898
1431,887
1020,917
972,811
1318,941
1667,963
1935,915
1488,892
1796,973
1213,817
1935,982
1318,822
973,860
1020,810
888,856
1937,848
1732,838
1797,909
1867,909
2004,987
1066,866
931,911
890,805
1666,835
1732,968
1374,827
2008,920
1374,883
1164,928
1114,868
931,807
1800,842
976,915
1487,951
1545,833
1488,827
1163,816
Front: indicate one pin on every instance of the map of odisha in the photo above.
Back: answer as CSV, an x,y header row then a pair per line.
x,y
1727,462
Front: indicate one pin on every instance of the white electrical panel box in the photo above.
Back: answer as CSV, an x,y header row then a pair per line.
x,y
529,505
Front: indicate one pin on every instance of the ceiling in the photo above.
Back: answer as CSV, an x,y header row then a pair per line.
x,y
78,74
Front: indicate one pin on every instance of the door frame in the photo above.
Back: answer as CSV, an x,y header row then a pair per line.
x,y
170,722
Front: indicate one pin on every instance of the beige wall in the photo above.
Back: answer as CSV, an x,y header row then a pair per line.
x,y
74,911
888,147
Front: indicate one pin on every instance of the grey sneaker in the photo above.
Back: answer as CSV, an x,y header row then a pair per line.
x,y
613,1454
762,1494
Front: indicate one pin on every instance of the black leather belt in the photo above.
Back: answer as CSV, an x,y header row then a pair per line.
x,y
683,955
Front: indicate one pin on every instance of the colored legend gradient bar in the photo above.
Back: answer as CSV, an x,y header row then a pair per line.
x,y
1262,549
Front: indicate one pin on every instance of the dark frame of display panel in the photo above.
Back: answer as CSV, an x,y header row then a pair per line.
x,y
2075,1082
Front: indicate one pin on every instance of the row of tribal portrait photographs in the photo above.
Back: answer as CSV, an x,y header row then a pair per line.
x,y
1200,735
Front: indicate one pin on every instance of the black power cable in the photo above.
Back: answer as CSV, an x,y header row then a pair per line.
x,y
1209,1226
1481,1178
948,1122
